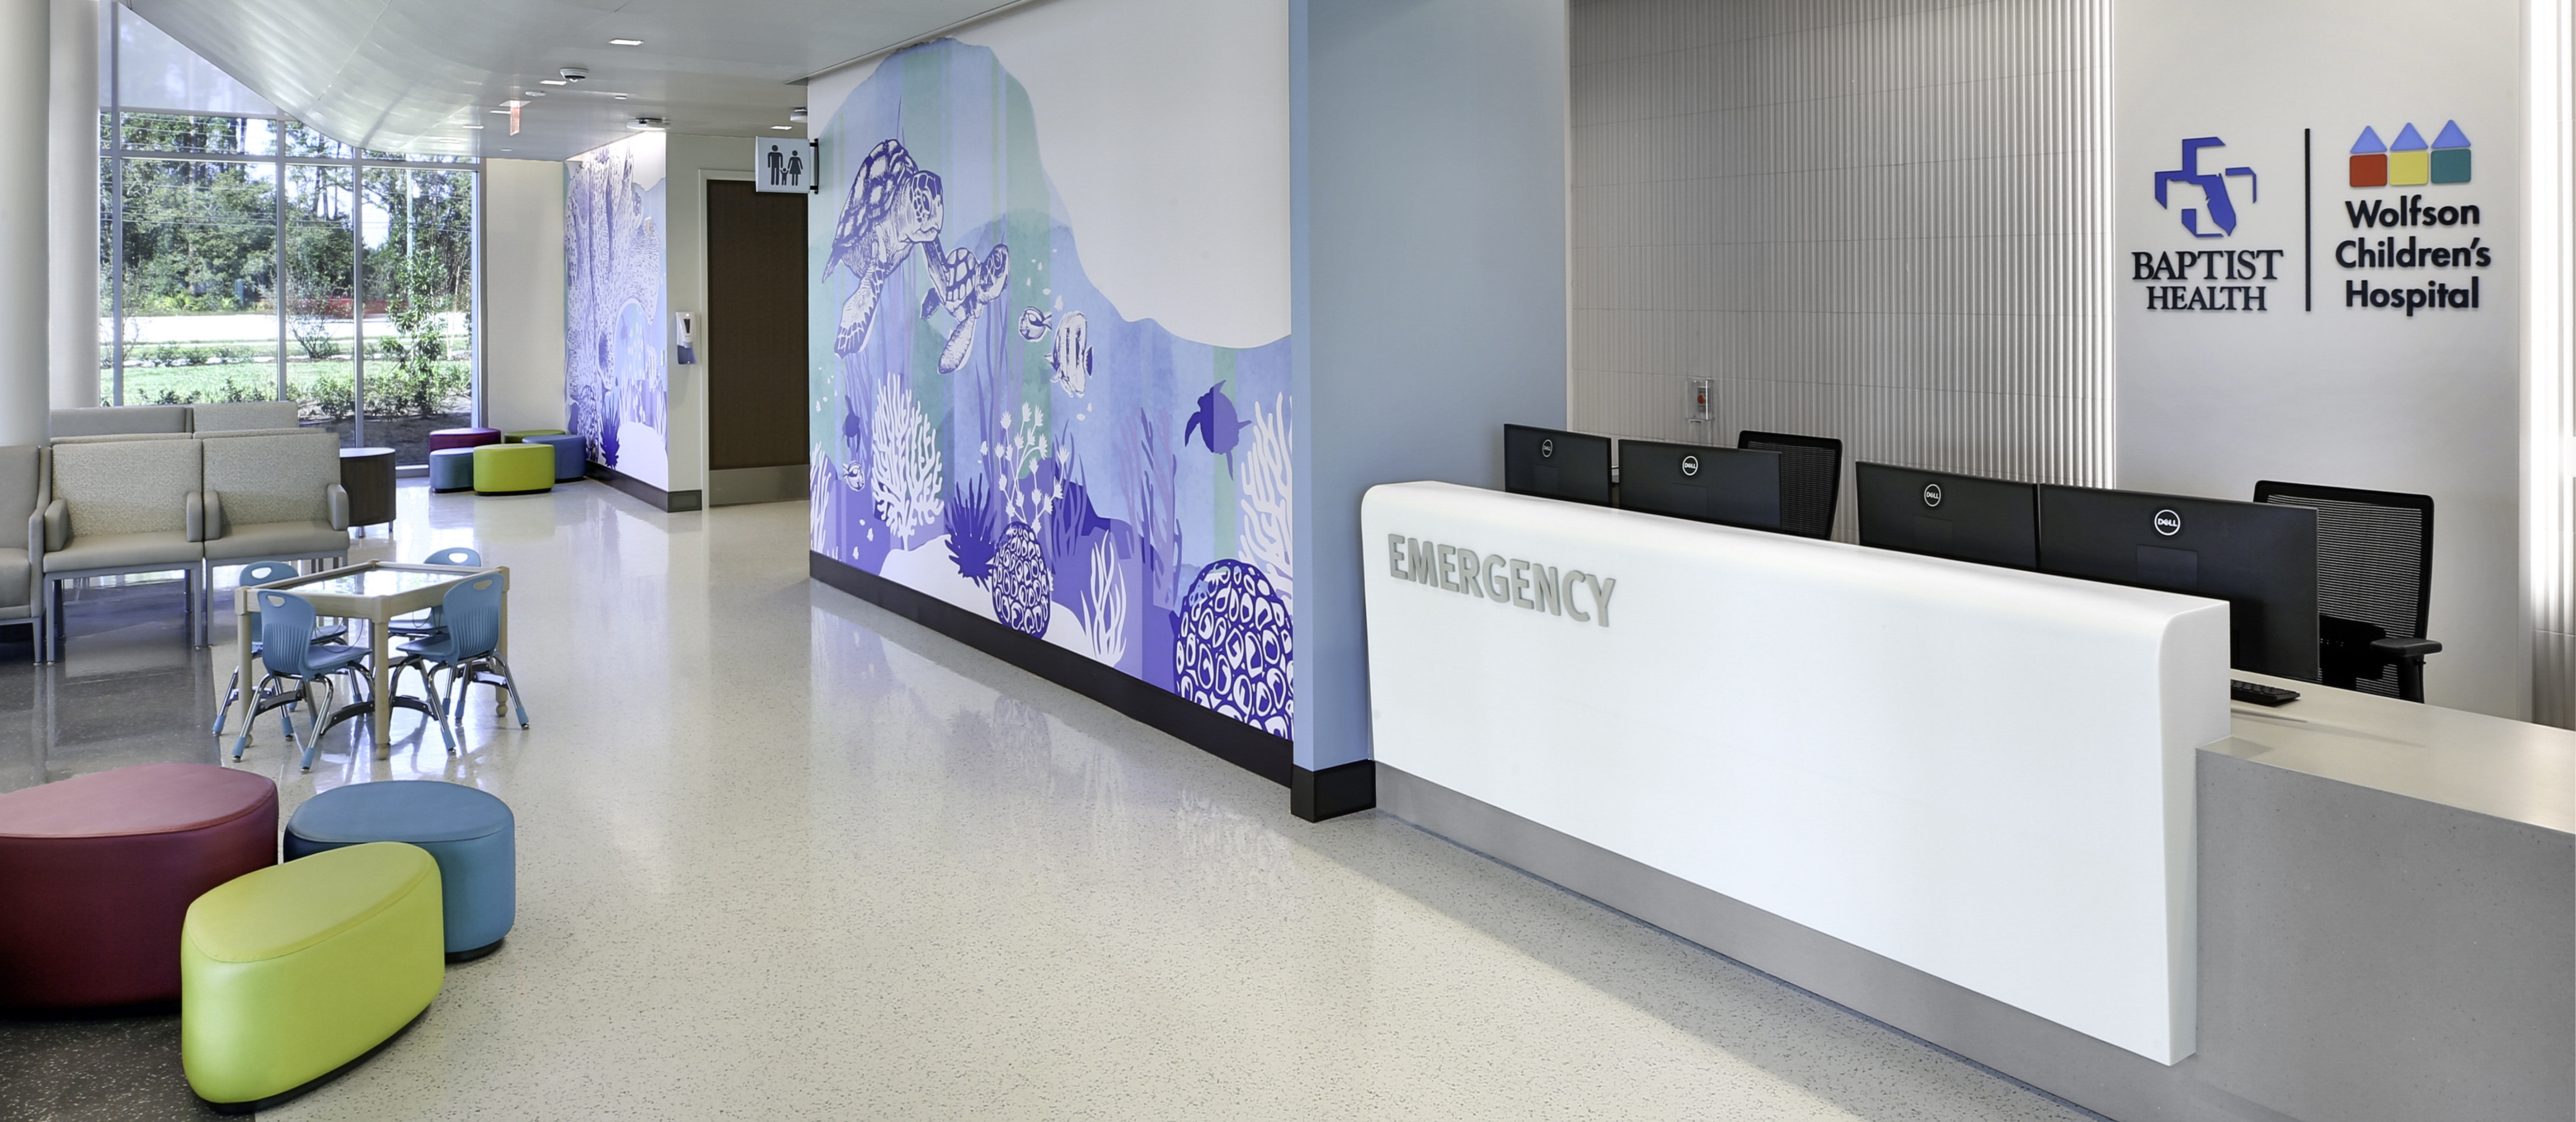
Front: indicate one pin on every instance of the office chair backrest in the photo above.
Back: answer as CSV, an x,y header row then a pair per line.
x,y
285,632
1811,472
2374,559
453,555
473,611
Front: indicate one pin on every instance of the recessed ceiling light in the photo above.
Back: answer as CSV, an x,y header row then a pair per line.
x,y
783,128
552,82
620,97
503,112
532,93
508,149
626,42
473,126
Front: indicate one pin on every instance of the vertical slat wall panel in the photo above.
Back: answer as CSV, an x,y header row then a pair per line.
x,y
1882,220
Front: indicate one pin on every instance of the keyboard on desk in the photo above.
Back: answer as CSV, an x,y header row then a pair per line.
x,y
2255,693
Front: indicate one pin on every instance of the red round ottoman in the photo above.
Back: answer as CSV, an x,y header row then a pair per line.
x,y
97,872
462,438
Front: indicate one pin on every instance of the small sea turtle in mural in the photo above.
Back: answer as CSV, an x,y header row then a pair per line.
x,y
1216,422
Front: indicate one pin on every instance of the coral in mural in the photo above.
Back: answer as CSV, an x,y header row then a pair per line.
x,y
1104,607
1267,533
905,451
1023,586
1232,652
893,207
962,286
1070,358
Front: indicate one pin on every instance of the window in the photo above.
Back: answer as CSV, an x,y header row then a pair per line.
x,y
246,257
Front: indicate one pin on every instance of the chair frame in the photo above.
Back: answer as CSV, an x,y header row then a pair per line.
x,y
1834,493
2407,652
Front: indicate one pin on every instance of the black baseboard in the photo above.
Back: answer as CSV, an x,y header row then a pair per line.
x,y
1334,791
669,501
1270,757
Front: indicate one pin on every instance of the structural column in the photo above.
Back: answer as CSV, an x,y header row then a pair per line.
x,y
25,50
73,204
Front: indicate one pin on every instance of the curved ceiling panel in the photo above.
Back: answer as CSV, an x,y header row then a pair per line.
x,y
413,75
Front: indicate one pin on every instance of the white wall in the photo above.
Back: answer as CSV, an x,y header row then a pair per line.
x,y
2211,402
1864,222
694,160
523,294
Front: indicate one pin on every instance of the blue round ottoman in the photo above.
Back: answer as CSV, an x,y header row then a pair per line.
x,y
570,463
451,469
467,830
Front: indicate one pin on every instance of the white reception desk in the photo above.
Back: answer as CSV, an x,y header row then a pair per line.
x,y
1983,774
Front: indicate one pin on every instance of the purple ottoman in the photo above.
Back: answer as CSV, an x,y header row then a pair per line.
x,y
462,438
97,871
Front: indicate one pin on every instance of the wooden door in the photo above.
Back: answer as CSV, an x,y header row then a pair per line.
x,y
753,340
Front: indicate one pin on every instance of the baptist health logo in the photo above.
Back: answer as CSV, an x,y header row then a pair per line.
x,y
2215,217
2410,162
2212,186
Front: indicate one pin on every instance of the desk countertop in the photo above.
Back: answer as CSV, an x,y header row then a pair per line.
x,y
2513,770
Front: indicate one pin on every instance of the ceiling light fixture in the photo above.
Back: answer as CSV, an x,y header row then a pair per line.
x,y
620,97
626,42
504,111
797,114
532,93
784,128
473,126
552,82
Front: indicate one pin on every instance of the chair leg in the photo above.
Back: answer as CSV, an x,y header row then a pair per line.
x,y
510,683
232,693
305,697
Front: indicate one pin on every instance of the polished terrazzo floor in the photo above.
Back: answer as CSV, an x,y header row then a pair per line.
x,y
784,855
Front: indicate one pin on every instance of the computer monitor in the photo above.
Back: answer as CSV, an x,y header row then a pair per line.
x,y
1963,517
2260,558
1555,464
1733,486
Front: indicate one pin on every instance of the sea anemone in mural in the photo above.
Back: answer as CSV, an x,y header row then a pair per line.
x,y
971,524
1023,586
1232,652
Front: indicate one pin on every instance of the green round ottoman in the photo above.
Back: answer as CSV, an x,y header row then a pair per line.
x,y
513,469
291,975
523,434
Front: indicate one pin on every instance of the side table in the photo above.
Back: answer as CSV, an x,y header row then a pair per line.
x,y
368,475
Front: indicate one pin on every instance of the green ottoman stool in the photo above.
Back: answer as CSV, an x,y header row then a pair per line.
x,y
513,469
291,975
522,435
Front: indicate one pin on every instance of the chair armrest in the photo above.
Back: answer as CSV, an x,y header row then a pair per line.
x,y
2406,650
338,497
58,525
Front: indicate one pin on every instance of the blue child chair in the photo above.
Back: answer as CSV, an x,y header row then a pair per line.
x,y
429,624
468,646
288,650
263,572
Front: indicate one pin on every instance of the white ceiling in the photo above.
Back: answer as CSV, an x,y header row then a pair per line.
x,y
409,75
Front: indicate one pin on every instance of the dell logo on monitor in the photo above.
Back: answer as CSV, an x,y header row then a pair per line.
x,y
2168,523
1931,494
1547,448
1690,465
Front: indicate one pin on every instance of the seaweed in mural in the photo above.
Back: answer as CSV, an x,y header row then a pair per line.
x,y
1233,647
1268,534
1104,608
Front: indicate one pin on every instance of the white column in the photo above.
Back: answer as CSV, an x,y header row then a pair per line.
x,y
25,45
73,205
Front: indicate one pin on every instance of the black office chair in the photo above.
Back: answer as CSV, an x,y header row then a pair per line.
x,y
1811,472
2374,582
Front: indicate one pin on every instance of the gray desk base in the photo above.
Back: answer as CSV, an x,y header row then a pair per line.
x,y
2364,956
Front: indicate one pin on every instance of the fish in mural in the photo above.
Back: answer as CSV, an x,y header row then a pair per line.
x,y
1033,324
1071,358
1215,422
961,285
894,206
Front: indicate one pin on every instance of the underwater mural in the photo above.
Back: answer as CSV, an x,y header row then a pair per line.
x,y
990,430
616,397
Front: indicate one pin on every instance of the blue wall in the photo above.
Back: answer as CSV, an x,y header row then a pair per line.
x,y
1429,215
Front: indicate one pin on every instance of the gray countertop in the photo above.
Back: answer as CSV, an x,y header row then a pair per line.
x,y
2509,769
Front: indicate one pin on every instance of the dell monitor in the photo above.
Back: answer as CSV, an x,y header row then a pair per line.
x,y
2260,558
1962,517
1730,486
1554,464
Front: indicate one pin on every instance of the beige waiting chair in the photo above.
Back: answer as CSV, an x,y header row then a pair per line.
x,y
273,498
119,507
118,420
21,482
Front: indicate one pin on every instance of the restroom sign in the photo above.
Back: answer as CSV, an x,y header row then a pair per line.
x,y
783,164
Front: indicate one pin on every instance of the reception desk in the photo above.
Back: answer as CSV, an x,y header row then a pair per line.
x,y
1979,804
